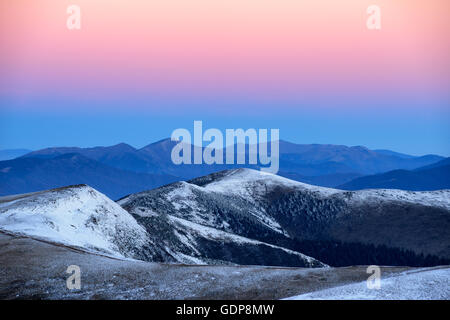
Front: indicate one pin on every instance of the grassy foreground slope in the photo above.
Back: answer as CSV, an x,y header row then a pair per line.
x,y
33,269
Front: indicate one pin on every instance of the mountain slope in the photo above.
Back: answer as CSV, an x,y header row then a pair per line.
x,y
304,159
179,215
194,243
34,270
393,153
286,213
9,154
443,163
121,156
357,159
421,284
77,215
431,177
24,175
327,180
82,217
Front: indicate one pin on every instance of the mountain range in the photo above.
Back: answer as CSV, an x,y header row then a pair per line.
x,y
241,216
81,217
300,217
307,160
122,169
216,236
23,175
431,177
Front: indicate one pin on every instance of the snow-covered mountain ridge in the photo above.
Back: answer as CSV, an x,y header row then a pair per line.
x,y
279,211
245,182
75,215
241,216
81,217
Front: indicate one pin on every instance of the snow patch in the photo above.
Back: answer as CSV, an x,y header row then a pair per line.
x,y
217,235
432,284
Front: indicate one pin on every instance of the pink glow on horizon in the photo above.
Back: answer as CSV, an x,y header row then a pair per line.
x,y
271,49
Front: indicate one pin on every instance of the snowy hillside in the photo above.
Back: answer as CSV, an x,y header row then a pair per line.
x,y
242,216
104,278
199,225
242,182
426,284
198,237
284,213
248,182
80,216
76,215
190,240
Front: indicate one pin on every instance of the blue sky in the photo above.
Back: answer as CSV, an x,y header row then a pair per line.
x,y
415,132
137,70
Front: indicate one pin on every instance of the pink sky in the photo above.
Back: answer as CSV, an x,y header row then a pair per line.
x,y
284,49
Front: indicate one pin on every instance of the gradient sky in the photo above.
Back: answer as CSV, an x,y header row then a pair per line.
x,y
139,69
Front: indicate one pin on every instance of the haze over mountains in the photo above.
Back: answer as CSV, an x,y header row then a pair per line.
x,y
121,169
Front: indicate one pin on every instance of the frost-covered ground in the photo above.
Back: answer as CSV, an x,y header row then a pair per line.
x,y
420,284
218,235
33,269
437,198
80,216
239,217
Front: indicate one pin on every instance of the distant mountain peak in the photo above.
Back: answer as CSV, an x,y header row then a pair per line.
x,y
362,148
9,154
160,143
123,147
320,164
